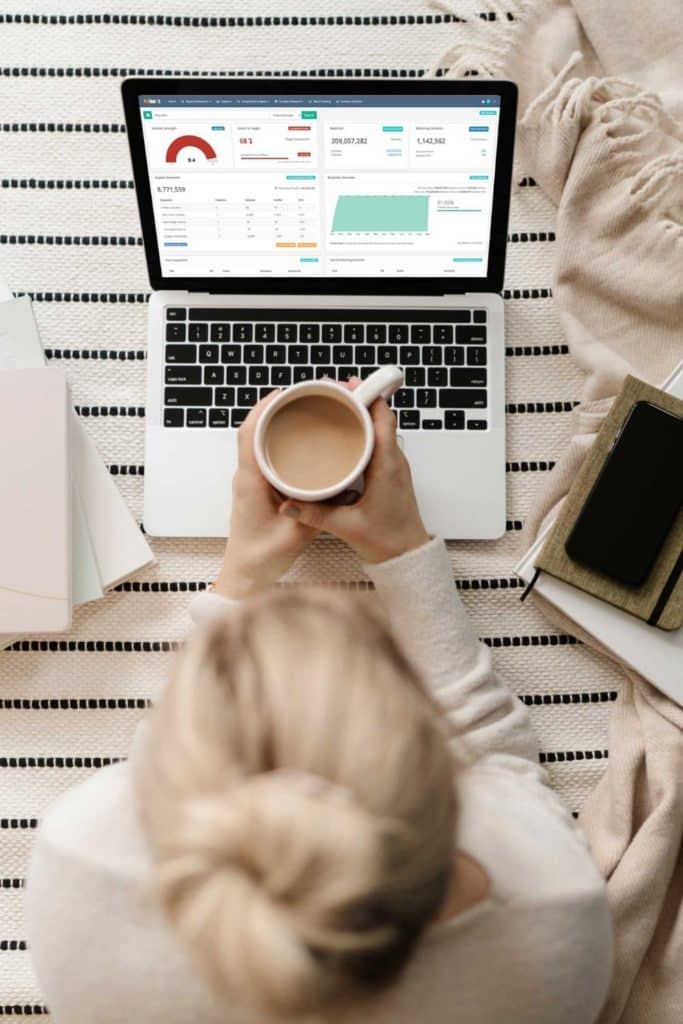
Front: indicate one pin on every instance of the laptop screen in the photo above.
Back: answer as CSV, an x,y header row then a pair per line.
x,y
322,185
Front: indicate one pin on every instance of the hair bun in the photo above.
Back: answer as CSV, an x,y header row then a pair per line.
x,y
263,879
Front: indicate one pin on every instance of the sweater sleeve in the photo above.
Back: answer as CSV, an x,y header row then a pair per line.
x,y
208,607
429,619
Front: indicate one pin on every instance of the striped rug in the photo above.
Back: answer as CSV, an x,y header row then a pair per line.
x,y
69,237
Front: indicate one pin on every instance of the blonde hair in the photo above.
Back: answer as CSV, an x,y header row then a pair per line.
x,y
296,790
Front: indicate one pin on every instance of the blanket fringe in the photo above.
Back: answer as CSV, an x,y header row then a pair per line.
x,y
483,48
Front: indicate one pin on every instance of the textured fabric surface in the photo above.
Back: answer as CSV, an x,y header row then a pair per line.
x,y
69,236
611,155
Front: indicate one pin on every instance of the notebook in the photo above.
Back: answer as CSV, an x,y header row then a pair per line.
x,y
655,653
108,545
35,505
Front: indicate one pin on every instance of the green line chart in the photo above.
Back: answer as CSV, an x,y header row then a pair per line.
x,y
381,213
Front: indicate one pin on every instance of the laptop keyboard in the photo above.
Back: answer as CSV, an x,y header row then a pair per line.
x,y
219,362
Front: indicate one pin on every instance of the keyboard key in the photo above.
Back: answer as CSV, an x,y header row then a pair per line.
x,y
235,375
181,353
175,313
476,357
324,371
476,424
460,316
376,334
479,317
205,313
220,332
455,419
196,418
354,333
426,398
281,376
342,355
410,355
264,332
309,333
253,353
437,377
468,378
432,425
208,353
183,375
238,416
443,334
462,398
303,373
297,354
214,374
364,355
454,356
198,332
432,355
331,334
188,396
409,419
226,396
398,334
231,353
320,354
470,335
387,355
421,334
219,418
287,332
415,377
366,371
258,375
349,372
174,417
276,354
242,332
404,398
175,332
264,392
246,397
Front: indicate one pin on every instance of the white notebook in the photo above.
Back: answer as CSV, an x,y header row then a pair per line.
x,y
108,545
35,501
657,654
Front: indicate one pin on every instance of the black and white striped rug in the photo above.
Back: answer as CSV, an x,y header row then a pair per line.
x,y
69,236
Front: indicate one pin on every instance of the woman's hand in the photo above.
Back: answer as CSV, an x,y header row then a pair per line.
x,y
262,544
386,522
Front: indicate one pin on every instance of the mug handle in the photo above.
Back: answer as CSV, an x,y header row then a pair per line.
x,y
383,383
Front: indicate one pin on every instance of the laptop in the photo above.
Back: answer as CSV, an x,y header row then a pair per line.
x,y
295,229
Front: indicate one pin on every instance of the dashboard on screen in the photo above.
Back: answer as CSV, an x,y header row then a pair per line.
x,y
321,186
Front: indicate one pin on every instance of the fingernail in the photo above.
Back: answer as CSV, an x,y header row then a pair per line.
x,y
292,511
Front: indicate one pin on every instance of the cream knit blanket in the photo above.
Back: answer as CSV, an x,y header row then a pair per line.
x,y
608,151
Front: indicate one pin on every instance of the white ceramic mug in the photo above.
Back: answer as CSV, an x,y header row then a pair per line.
x,y
383,383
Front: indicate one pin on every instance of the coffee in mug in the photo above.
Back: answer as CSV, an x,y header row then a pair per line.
x,y
315,439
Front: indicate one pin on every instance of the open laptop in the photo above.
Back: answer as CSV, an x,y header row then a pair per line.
x,y
304,228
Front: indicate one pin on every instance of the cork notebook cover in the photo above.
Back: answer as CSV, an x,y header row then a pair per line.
x,y
660,599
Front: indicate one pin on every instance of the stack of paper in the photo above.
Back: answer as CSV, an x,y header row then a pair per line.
x,y
107,544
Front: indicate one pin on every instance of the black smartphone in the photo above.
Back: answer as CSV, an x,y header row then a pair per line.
x,y
635,500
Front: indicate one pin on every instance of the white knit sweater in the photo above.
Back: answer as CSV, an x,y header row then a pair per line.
x,y
537,950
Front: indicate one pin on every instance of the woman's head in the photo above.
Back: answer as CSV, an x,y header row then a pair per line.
x,y
296,791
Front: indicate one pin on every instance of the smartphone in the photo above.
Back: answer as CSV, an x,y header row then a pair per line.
x,y
635,500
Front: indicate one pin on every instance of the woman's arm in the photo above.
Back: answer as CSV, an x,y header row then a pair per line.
x,y
413,576
430,621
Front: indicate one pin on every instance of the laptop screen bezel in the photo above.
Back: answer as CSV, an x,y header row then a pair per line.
x,y
133,88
